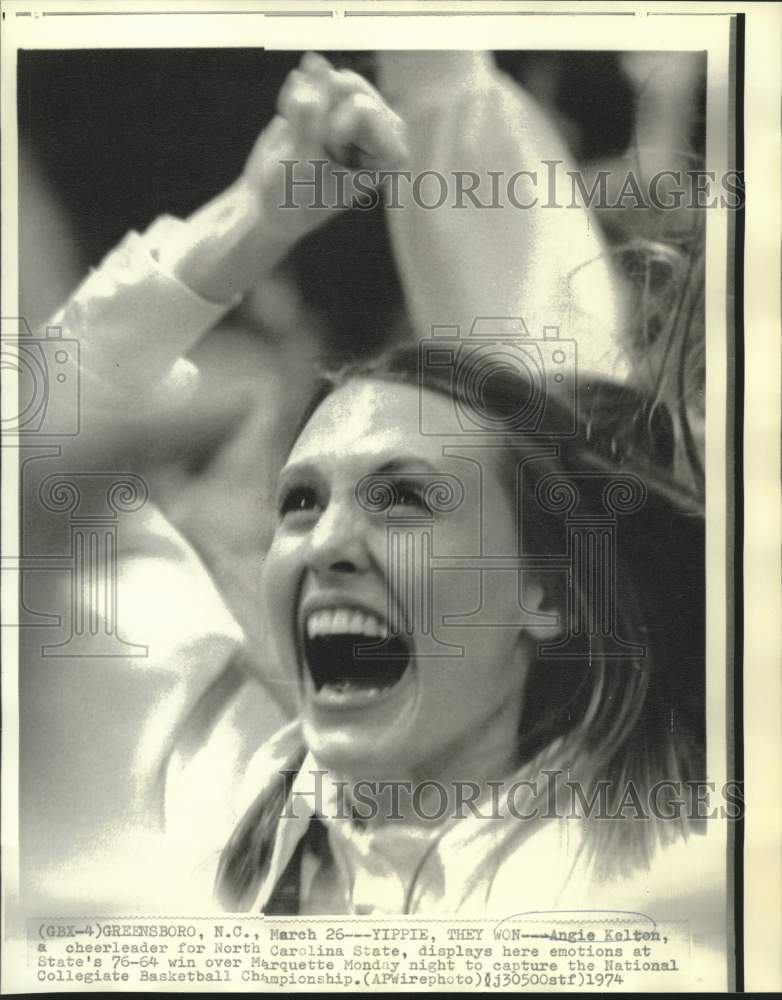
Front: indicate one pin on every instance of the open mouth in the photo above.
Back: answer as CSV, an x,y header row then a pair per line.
x,y
349,652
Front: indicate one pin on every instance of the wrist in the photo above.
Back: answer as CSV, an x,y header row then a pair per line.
x,y
222,250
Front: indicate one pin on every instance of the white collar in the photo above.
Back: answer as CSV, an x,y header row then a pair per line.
x,y
461,864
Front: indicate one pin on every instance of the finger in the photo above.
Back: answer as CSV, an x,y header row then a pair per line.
x,y
345,81
316,65
339,83
283,97
303,102
365,123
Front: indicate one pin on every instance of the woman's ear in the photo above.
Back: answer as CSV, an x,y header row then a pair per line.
x,y
545,616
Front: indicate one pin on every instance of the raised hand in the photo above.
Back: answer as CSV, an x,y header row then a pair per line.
x,y
301,171
329,124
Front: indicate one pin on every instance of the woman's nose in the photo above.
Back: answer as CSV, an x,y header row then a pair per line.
x,y
338,543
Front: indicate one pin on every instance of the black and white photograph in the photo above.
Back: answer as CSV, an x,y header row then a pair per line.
x,y
374,445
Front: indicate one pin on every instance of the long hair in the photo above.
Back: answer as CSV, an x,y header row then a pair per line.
x,y
627,722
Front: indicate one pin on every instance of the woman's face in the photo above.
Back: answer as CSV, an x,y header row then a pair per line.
x,y
342,574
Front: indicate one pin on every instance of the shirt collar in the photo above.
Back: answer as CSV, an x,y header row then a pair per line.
x,y
304,802
456,867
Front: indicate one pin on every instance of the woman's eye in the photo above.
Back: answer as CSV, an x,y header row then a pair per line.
x,y
297,500
406,495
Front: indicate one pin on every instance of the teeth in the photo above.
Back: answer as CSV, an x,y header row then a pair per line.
x,y
332,694
340,622
344,621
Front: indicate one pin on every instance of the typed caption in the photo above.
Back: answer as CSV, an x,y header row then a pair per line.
x,y
600,951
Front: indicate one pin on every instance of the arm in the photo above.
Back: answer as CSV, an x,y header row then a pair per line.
x,y
152,299
545,264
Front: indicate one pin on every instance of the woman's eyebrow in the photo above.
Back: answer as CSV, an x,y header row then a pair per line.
x,y
402,463
297,470
399,466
